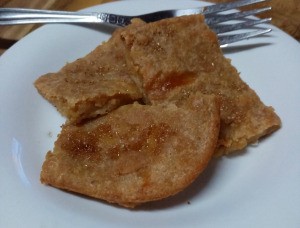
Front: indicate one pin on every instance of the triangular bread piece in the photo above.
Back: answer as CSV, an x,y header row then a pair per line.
x,y
177,56
92,85
136,153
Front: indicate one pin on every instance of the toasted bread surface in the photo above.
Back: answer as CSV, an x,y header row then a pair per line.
x,y
195,106
177,56
136,153
92,85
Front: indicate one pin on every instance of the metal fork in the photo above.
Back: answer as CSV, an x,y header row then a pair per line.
x,y
214,17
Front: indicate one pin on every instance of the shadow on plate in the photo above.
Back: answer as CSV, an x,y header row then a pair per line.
x,y
187,195
181,199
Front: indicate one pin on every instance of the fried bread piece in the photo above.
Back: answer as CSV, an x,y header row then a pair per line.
x,y
177,56
136,153
93,85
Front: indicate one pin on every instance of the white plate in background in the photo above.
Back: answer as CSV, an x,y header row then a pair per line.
x,y
258,188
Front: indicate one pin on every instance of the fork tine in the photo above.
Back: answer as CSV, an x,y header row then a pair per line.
x,y
228,6
227,39
243,25
218,18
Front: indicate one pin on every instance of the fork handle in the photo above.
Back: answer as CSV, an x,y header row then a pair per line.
x,y
16,16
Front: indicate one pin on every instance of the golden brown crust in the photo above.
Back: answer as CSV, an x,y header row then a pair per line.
x,y
169,54
93,85
137,153
180,55
196,106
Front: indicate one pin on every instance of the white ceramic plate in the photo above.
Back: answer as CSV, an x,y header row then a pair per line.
x,y
258,188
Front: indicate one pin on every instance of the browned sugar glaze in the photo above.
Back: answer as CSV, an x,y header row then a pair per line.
x,y
179,56
93,85
137,153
